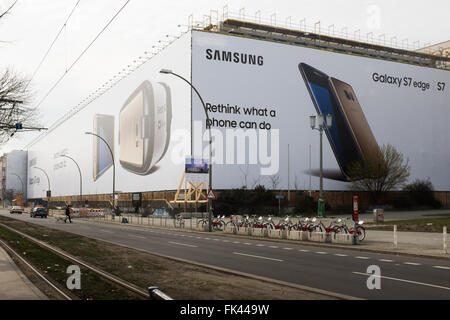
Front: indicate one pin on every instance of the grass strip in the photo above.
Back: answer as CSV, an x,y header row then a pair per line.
x,y
54,267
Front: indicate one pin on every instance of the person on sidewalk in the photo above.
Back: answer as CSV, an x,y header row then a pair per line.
x,y
68,214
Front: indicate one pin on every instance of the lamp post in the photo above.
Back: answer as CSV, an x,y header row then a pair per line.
x,y
167,71
114,170
49,192
320,127
81,180
21,182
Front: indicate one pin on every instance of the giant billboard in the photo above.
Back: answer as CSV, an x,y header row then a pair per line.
x,y
143,121
259,96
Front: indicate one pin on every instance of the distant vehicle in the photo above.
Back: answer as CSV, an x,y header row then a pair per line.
x,y
38,212
16,209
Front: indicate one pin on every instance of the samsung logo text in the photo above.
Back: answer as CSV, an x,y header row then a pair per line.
x,y
236,57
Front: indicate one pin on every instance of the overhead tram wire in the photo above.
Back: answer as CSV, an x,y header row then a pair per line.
x,y
51,46
147,55
81,55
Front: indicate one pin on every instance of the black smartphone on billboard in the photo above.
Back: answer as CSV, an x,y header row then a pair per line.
x,y
339,135
103,127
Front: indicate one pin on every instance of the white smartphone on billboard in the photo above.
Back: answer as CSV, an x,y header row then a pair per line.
x,y
144,127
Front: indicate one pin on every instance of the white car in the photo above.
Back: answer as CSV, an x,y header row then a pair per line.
x,y
16,209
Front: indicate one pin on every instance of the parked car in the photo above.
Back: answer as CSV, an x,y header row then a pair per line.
x,y
38,212
16,209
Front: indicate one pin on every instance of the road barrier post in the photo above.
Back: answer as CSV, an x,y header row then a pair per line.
x,y
395,235
355,217
444,235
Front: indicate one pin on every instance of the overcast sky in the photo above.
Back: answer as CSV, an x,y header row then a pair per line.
x,y
28,31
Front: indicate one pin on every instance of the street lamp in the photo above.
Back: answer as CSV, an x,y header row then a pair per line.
x,y
49,192
320,127
21,182
81,180
167,71
114,169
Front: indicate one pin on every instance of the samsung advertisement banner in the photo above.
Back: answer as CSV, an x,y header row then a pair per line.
x,y
260,96
143,121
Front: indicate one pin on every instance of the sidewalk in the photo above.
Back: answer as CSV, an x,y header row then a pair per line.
x,y
13,283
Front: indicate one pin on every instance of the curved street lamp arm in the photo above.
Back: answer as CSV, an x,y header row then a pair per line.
x,y
110,150
196,91
48,180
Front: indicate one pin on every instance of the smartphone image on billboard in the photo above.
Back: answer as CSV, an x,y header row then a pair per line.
x,y
144,127
339,135
103,127
354,116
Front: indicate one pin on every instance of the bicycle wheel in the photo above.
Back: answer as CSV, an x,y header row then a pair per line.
x,y
202,223
220,225
230,224
318,228
361,233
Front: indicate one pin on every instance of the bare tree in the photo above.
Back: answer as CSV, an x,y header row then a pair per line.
x,y
14,95
275,181
384,170
256,182
296,182
245,175
4,13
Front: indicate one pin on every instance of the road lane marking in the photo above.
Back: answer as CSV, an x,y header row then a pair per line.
x,y
321,252
287,248
247,243
385,260
216,239
341,255
236,242
303,250
403,280
364,258
260,245
275,247
413,263
184,244
259,257
135,236
441,267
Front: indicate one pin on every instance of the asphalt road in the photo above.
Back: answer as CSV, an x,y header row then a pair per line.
x,y
337,270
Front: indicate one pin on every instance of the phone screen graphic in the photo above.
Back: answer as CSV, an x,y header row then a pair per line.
x,y
104,128
339,135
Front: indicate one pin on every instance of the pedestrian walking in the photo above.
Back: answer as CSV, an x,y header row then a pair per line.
x,y
68,209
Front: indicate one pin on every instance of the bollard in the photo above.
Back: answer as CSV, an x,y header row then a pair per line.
x,y
444,235
395,235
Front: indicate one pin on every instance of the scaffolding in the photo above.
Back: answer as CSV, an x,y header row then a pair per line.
x,y
329,38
